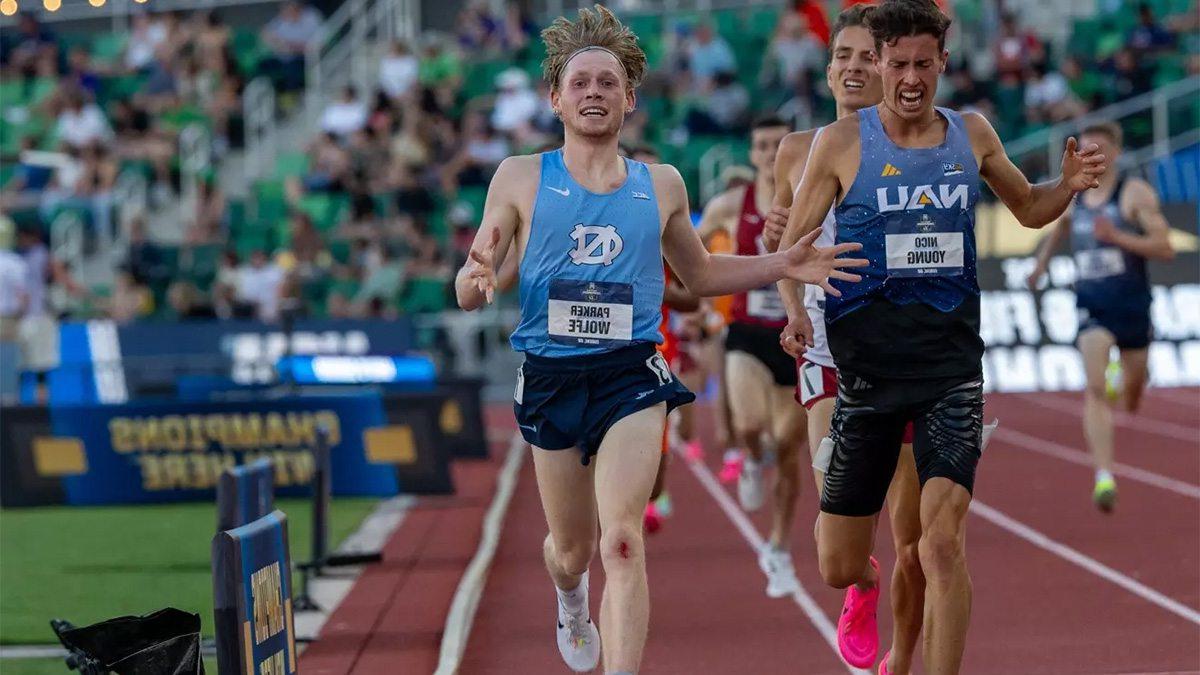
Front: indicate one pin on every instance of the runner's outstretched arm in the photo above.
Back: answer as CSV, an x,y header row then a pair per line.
x,y
1035,206
476,282
706,274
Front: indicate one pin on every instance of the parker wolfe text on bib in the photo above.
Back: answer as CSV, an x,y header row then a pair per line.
x,y
590,312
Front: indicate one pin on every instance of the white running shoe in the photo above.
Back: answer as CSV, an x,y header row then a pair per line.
x,y
578,639
781,575
750,485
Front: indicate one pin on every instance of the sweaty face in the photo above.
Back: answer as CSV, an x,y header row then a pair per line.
x,y
764,143
910,68
851,72
592,96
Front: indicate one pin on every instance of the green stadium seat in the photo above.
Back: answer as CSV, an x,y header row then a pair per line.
x,y
728,22
480,79
107,47
184,116
644,25
41,88
291,164
326,210
761,22
424,294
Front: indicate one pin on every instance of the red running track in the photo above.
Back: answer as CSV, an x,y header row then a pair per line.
x,y
1059,587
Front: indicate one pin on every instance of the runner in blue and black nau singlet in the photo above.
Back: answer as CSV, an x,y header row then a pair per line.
x,y
591,230
759,376
1113,230
905,179
854,82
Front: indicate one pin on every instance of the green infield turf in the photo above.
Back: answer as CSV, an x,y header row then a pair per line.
x,y
87,564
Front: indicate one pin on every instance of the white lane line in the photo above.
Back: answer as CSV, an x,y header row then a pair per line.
x,y
801,597
1068,454
470,588
1120,418
1092,565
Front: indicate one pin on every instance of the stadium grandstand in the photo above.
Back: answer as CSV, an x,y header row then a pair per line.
x,y
197,195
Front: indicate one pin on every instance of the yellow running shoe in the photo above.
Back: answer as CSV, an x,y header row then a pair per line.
x,y
1105,494
1113,380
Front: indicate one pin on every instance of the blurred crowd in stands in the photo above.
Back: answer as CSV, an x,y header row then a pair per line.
x,y
372,218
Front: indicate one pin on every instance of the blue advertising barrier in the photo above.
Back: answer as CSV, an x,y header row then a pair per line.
x,y
245,493
252,598
161,452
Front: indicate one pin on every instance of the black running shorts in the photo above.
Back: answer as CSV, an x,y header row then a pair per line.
x,y
762,343
868,426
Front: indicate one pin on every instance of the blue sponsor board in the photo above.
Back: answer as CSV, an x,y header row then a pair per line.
x,y
161,452
252,593
102,362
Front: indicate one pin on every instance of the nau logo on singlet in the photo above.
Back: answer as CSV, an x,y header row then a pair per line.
x,y
595,244
905,198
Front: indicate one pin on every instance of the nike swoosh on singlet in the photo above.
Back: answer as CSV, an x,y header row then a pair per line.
x,y
565,193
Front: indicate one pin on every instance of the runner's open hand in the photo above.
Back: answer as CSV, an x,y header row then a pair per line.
x,y
482,267
1082,167
814,265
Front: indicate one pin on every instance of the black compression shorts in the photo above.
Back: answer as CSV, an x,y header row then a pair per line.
x,y
868,426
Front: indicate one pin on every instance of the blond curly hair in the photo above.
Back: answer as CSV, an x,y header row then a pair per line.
x,y
596,27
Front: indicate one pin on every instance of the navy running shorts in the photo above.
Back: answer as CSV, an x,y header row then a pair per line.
x,y
571,402
868,426
1131,328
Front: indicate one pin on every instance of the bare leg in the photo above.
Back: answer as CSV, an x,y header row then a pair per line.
x,y
908,581
942,551
1135,374
1094,345
565,486
625,469
788,426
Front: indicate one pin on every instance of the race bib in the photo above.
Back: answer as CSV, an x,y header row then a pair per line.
x,y
590,312
920,249
1097,263
765,303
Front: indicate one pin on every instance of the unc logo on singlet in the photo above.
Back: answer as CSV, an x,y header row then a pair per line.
x,y
920,247
595,244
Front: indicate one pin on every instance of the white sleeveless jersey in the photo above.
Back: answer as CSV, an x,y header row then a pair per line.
x,y
814,296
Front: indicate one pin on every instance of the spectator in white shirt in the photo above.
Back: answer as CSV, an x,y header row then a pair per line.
x,y
14,299
398,71
1048,96
288,35
346,115
145,35
794,54
709,54
516,102
81,124
259,284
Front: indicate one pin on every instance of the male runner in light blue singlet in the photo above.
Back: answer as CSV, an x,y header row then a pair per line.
x,y
905,179
1113,231
591,229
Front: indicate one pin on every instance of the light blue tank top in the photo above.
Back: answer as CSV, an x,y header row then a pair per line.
x,y
591,279
913,210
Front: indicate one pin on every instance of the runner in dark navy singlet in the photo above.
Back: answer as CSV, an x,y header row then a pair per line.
x,y
1113,231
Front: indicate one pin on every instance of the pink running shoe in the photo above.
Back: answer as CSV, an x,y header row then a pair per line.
x,y
693,452
651,520
858,630
732,468
883,669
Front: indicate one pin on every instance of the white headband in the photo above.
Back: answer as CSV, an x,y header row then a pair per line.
x,y
589,48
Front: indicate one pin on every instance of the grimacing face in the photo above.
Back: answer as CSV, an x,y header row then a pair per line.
x,y
909,69
764,144
851,73
593,95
